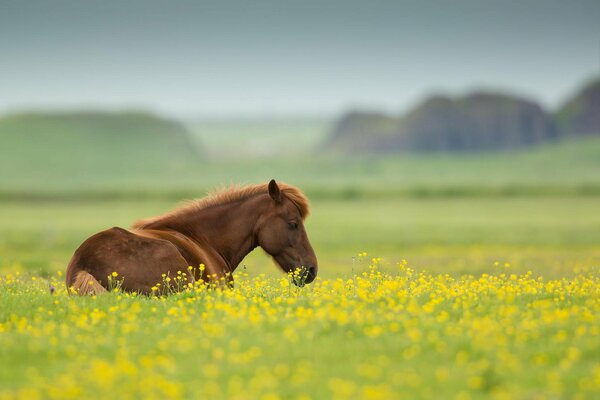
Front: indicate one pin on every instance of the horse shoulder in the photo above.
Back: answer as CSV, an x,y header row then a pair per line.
x,y
195,253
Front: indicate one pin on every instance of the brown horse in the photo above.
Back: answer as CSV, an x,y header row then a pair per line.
x,y
217,231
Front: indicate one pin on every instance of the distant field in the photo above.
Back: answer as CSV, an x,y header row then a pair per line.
x,y
259,138
548,235
536,208
52,152
560,168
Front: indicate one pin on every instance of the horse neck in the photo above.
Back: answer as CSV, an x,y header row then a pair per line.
x,y
229,229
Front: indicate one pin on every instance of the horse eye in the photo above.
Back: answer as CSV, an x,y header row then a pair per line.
x,y
293,225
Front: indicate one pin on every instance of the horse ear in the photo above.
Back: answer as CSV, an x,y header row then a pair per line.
x,y
274,191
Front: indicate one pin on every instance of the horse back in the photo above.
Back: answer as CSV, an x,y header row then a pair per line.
x,y
193,252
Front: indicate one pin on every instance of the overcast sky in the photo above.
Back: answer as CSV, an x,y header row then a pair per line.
x,y
257,58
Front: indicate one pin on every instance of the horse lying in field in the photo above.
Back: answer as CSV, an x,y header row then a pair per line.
x,y
217,231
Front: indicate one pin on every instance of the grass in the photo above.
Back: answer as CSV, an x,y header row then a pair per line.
x,y
550,235
502,304
259,138
371,336
47,152
71,165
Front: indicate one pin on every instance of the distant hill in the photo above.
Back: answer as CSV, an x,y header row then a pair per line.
x,y
478,121
258,137
91,146
359,131
580,115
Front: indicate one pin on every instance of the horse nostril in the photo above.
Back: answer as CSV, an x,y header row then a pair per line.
x,y
311,274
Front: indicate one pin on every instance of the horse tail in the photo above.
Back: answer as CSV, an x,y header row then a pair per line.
x,y
81,282
85,284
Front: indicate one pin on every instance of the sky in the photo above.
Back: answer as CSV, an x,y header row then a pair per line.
x,y
289,58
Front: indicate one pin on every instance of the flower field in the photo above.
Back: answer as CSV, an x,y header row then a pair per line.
x,y
386,331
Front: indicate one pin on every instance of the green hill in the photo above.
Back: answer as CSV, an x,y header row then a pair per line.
x,y
84,147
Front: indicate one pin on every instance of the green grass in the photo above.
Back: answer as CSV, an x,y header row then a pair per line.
x,y
50,152
259,138
535,208
405,334
549,235
70,161
372,336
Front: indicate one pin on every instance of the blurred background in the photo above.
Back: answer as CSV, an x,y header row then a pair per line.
x,y
461,136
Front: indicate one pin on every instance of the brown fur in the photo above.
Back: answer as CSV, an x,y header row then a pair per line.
x,y
217,231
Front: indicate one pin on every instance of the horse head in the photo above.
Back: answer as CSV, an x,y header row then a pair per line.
x,y
282,235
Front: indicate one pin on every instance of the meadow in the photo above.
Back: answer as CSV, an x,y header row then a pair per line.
x,y
372,335
465,276
551,235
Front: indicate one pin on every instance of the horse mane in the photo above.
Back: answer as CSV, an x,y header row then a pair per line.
x,y
231,194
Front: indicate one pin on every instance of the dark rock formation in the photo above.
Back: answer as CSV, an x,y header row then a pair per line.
x,y
580,116
480,121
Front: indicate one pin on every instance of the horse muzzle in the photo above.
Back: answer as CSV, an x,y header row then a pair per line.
x,y
307,275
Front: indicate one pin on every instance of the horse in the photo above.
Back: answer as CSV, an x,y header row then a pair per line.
x,y
205,239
